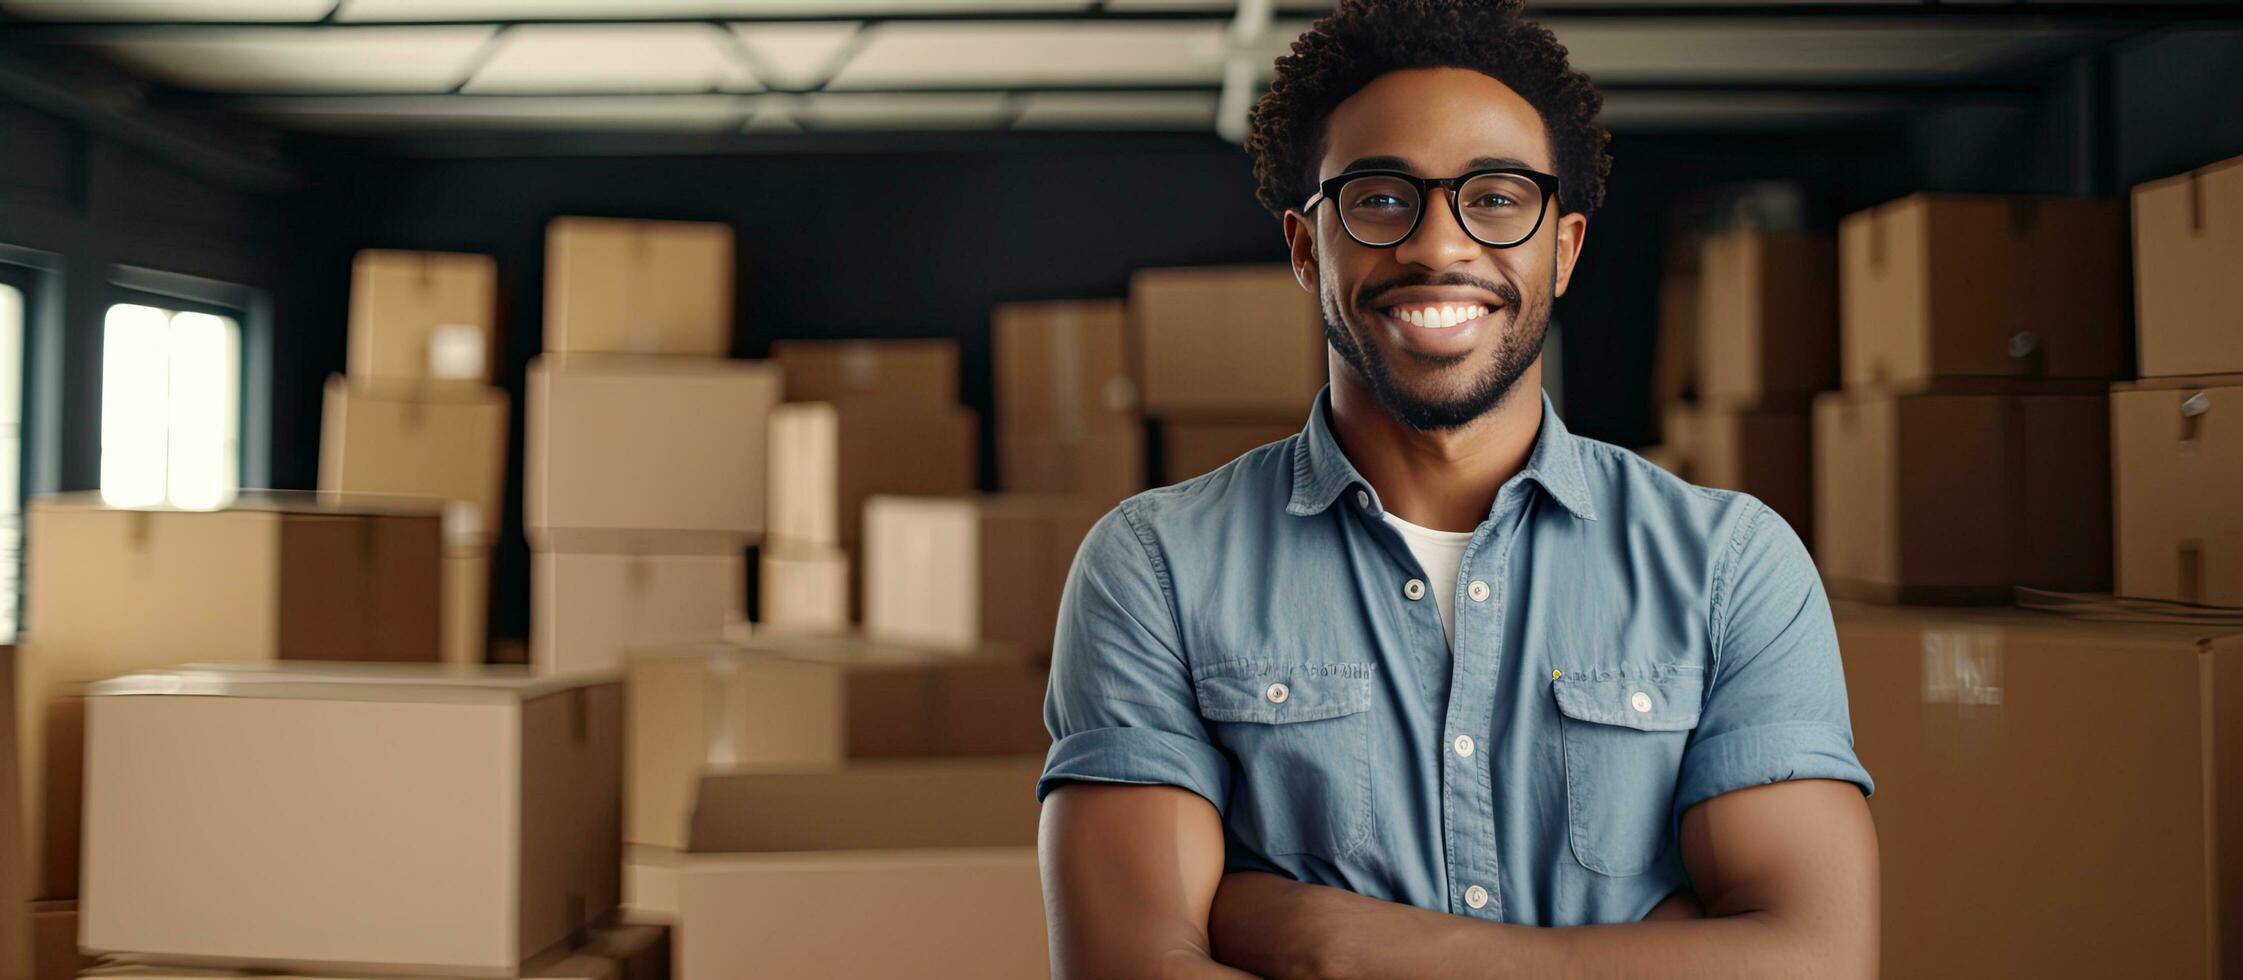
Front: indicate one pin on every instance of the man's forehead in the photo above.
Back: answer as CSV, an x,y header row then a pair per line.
x,y
1436,122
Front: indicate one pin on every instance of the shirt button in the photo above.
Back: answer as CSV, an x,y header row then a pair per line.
x,y
1277,693
1476,896
1478,591
1464,746
1640,701
1414,588
1362,499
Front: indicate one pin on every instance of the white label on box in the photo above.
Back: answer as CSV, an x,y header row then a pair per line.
x,y
456,352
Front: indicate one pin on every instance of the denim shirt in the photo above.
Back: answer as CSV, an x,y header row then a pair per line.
x,y
1627,645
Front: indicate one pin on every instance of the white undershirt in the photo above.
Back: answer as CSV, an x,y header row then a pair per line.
x,y
1440,553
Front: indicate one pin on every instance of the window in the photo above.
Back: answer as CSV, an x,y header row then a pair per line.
x,y
170,407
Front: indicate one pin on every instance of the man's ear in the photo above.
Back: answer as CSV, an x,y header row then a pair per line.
x,y
1300,241
1572,228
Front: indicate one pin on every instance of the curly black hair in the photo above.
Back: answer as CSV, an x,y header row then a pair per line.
x,y
1364,39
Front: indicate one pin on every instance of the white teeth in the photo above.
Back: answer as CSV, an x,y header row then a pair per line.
x,y
1441,317
1451,316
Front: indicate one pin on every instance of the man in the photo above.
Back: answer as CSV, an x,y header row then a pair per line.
x,y
1435,688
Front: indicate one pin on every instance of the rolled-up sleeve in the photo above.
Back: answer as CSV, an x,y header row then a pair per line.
x,y
1777,707
1121,708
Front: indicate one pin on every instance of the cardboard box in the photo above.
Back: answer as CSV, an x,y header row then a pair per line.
x,y
696,706
1941,285
1999,739
275,577
1767,453
913,372
1960,497
1235,341
803,589
54,941
595,595
444,443
1105,466
925,911
830,459
417,316
2188,242
644,444
638,287
1674,360
961,572
633,951
467,604
1768,319
1067,419
358,820
1189,449
2176,479
805,474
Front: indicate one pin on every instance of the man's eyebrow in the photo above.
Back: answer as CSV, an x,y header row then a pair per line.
x,y
1403,163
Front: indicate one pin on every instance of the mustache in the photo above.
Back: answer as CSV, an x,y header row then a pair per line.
x,y
1366,298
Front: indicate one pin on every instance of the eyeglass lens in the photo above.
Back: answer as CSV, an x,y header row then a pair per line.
x,y
1498,209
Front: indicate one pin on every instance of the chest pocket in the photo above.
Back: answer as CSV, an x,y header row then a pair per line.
x,y
1624,736
1298,734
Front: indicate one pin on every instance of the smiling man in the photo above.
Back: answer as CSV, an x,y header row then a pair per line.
x,y
1436,688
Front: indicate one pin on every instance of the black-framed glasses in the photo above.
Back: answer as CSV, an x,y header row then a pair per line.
x,y
1499,207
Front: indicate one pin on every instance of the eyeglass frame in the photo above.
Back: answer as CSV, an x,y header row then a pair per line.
x,y
1329,189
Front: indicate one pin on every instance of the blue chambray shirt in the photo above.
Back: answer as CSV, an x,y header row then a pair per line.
x,y
1627,645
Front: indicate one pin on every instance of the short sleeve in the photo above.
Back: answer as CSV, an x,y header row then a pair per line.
x,y
1777,707
1121,707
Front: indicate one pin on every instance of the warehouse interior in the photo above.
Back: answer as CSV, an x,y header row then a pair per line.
x,y
893,188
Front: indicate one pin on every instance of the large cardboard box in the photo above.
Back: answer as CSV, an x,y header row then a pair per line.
x,y
1226,341
1189,449
116,590
859,906
422,316
630,951
1768,319
2054,797
616,286
1067,419
1765,452
2177,490
1105,466
596,594
2188,242
695,706
1960,497
914,372
961,572
802,589
1942,285
832,456
647,444
444,443
360,820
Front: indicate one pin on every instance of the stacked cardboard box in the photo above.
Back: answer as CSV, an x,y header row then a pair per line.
x,y
1232,357
1967,454
965,572
2054,797
116,590
634,951
350,819
644,460
863,417
417,416
2177,434
1067,418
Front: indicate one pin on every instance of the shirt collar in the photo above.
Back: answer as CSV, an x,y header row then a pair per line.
x,y
1321,472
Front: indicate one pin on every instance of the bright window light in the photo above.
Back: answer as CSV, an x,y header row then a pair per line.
x,y
170,408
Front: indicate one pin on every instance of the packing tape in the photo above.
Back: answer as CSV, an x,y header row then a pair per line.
x,y
1962,665
860,365
721,751
1068,420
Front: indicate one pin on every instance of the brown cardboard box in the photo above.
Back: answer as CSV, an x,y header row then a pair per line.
x,y
1235,341
2177,490
1105,466
634,951
910,701
961,572
915,372
1939,285
927,911
15,920
595,595
645,444
1674,362
2188,243
361,819
1067,419
1768,318
638,287
1764,452
275,577
1189,449
423,316
695,706
2054,797
805,473
444,443
54,940
877,446
467,604
803,589
1959,497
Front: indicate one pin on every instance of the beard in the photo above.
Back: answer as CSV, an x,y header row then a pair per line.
x,y
1516,350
